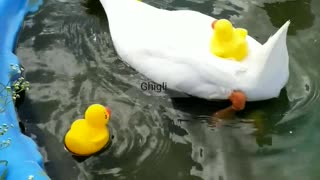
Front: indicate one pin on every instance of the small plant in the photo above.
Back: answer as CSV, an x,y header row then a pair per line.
x,y
10,92
31,177
3,129
5,143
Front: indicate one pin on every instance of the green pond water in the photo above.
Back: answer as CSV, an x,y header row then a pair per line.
x,y
71,63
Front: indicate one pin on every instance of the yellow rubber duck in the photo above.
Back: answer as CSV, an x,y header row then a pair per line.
x,y
228,42
89,135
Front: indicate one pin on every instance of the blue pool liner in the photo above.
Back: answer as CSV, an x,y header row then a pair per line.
x,y
19,155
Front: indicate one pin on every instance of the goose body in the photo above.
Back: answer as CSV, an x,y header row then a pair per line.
x,y
174,47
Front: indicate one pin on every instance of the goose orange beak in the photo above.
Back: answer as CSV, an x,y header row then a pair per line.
x,y
238,100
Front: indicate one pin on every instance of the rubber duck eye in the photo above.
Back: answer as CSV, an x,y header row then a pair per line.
x,y
105,116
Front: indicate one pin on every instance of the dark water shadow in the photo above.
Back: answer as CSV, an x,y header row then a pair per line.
x,y
298,11
94,7
266,114
263,114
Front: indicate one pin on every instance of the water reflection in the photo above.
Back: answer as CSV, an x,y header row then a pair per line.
x,y
299,12
265,121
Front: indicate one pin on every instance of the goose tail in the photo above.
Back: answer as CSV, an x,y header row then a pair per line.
x,y
271,66
276,56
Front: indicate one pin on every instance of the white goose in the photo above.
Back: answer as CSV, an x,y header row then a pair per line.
x,y
174,47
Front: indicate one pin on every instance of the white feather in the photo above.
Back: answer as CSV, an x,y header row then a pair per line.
x,y
173,47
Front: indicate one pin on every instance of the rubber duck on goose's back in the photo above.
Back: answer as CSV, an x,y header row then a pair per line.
x,y
228,42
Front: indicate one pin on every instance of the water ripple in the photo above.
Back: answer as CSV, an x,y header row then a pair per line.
x,y
71,63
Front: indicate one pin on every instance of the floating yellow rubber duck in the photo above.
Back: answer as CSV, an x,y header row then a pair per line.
x,y
228,42
89,135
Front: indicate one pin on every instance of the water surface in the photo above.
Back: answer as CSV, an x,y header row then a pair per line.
x,y
71,63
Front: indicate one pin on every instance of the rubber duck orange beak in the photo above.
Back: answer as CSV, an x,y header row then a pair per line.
x,y
214,23
108,111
